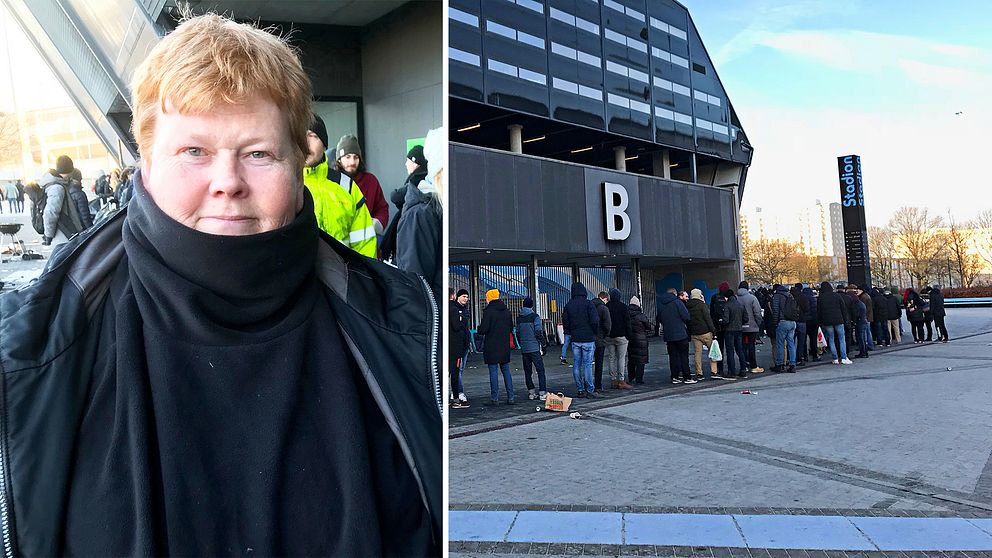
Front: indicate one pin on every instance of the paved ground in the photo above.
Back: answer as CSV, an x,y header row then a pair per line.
x,y
896,435
14,271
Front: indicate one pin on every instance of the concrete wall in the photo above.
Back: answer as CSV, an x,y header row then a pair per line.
x,y
401,86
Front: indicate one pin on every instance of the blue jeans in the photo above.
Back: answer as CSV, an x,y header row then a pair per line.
x,y
564,347
734,346
494,370
801,340
461,370
828,332
582,354
785,335
863,337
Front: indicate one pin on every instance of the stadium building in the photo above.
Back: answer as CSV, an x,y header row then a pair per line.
x,y
591,140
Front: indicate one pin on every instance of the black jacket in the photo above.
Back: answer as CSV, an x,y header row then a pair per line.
x,y
497,326
580,318
735,314
387,243
605,322
640,325
50,345
831,307
805,312
893,310
674,317
419,242
878,306
619,315
458,326
81,202
718,313
937,303
700,321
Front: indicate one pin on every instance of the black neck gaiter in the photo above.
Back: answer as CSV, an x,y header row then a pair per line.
x,y
216,289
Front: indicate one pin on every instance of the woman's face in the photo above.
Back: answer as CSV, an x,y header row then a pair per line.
x,y
234,171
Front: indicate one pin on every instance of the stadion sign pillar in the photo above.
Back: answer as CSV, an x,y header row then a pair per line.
x,y
855,228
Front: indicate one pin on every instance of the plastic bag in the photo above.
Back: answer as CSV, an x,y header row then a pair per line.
x,y
821,341
715,354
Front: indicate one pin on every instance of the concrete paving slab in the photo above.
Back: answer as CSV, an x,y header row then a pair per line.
x,y
681,530
806,532
479,525
567,527
910,533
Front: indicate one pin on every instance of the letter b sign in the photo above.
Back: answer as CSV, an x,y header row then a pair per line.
x,y
615,203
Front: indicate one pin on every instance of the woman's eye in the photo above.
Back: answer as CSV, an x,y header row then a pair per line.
x,y
194,151
259,154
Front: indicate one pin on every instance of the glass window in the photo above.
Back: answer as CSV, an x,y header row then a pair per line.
x,y
463,17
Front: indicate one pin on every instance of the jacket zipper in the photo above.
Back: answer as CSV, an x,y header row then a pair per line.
x,y
8,550
435,372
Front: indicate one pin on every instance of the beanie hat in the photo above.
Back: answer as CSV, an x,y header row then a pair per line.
x,y
63,165
725,286
491,295
743,285
635,301
461,292
416,154
348,144
318,128
528,302
696,294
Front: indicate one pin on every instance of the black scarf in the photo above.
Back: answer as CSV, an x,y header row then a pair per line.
x,y
226,414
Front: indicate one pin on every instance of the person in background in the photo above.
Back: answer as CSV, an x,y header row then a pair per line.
x,y
879,327
580,320
497,327
802,356
20,196
751,329
832,314
528,325
735,345
637,347
458,339
701,330
616,341
416,170
915,313
938,312
812,324
927,312
419,234
10,192
348,159
62,219
79,198
893,315
338,203
718,313
605,324
674,318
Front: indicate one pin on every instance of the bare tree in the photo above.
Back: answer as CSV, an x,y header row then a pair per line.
x,y
881,253
967,263
918,239
769,261
983,236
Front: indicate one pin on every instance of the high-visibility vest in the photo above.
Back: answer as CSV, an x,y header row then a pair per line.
x,y
340,208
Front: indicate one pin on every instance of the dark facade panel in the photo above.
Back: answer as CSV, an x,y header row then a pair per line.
x,y
503,201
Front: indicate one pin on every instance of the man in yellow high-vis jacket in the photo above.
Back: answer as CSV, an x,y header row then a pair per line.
x,y
337,200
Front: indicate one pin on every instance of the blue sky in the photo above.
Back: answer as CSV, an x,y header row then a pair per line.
x,y
815,79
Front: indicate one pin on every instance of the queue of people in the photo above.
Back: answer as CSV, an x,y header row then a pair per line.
x,y
803,323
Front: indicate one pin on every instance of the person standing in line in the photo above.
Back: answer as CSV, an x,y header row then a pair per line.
x,y
864,295
419,234
637,350
880,329
605,324
20,196
735,345
674,318
927,312
718,314
580,320
850,326
860,320
497,327
458,339
832,314
915,313
751,328
62,220
938,312
616,341
349,160
812,325
802,356
701,329
893,313
528,325
11,194
416,171
785,313
79,198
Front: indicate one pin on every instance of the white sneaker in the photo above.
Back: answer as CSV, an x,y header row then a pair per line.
x,y
462,398
834,361
544,395
846,361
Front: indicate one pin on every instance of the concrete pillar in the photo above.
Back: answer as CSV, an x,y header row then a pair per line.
x,y
620,156
737,229
516,138
661,163
532,286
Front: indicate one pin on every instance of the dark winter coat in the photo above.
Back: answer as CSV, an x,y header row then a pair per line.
x,y
937,303
605,322
674,317
831,307
619,315
718,306
496,326
811,301
735,314
802,302
914,307
700,321
777,304
528,324
859,314
419,244
865,298
387,243
893,310
82,203
878,306
752,310
580,318
640,325
458,326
